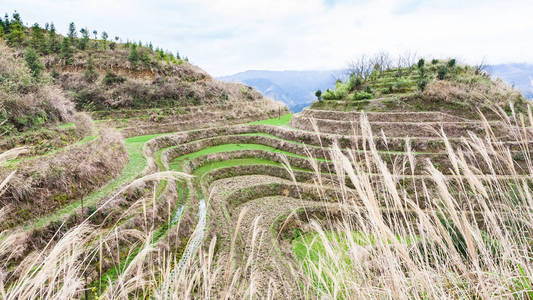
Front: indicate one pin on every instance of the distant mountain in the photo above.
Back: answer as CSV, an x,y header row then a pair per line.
x,y
297,88
294,88
518,75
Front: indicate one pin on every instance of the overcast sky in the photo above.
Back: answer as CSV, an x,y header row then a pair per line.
x,y
229,36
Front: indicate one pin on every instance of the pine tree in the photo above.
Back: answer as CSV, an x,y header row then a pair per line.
x,y
53,42
95,34
37,40
15,37
72,35
144,57
133,57
84,39
318,94
104,39
33,61
6,24
90,72
66,51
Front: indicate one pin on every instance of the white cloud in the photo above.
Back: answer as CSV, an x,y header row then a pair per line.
x,y
225,37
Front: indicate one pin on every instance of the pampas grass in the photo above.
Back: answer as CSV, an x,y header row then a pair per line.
x,y
468,235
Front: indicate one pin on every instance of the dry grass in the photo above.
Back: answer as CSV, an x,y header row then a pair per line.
x,y
444,250
476,93
28,102
84,124
45,184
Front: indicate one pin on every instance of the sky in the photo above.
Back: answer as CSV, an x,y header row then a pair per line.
x,y
228,36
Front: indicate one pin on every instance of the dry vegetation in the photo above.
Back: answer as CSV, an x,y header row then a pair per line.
x,y
27,102
43,185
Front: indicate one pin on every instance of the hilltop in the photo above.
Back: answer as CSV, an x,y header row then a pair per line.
x,y
108,77
438,85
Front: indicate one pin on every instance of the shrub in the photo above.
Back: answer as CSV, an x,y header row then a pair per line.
x,y
90,72
368,89
355,82
451,63
84,124
361,96
318,94
341,90
34,63
441,72
329,95
422,83
111,78
144,57
422,72
434,61
66,51
421,63
54,74
133,57
401,85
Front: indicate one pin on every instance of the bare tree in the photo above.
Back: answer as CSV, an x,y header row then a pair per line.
x,y
381,61
481,67
364,65
361,67
407,59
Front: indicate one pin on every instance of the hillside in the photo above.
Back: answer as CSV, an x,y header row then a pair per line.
x,y
428,86
186,187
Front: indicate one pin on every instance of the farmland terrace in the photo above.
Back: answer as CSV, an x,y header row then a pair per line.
x,y
187,187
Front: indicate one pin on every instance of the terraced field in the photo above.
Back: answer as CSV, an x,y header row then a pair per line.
x,y
264,169
259,187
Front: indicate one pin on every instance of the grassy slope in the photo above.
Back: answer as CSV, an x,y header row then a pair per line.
x,y
14,162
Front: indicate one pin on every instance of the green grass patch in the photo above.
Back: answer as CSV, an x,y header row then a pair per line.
x,y
282,121
232,163
176,164
311,252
